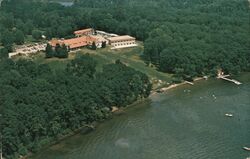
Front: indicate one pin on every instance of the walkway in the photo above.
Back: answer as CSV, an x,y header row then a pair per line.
x,y
224,77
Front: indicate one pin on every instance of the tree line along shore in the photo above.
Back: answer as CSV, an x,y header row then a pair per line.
x,y
40,103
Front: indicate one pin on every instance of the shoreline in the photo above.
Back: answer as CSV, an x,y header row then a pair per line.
x,y
153,92
172,86
83,129
91,127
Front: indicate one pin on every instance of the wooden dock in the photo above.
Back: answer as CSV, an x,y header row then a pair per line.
x,y
189,82
224,77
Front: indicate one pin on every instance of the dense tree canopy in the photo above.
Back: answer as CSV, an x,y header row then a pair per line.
x,y
39,104
187,38
201,35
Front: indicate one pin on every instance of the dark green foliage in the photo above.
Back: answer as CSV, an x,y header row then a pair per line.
x,y
200,34
199,42
7,40
93,46
64,52
82,65
126,83
197,51
39,105
19,37
187,38
36,34
104,44
59,51
49,51
3,53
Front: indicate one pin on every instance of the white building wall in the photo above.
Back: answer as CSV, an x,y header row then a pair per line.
x,y
123,44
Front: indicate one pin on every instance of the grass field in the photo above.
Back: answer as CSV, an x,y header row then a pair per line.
x,y
130,56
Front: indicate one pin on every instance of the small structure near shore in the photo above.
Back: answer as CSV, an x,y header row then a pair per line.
x,y
230,80
224,77
221,75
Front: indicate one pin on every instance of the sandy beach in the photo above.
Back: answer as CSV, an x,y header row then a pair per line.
x,y
164,89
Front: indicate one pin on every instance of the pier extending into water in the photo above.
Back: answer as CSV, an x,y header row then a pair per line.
x,y
161,117
224,77
191,83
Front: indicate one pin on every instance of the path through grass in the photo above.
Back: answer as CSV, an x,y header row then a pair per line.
x,y
130,56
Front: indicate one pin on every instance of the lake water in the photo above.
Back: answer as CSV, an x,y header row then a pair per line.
x,y
185,123
66,4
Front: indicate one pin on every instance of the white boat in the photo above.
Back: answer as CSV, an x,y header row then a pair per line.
x,y
229,115
246,148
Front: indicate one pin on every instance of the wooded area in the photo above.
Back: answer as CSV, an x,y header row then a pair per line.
x,y
39,104
187,38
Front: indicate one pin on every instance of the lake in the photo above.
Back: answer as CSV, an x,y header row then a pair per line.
x,y
66,4
187,122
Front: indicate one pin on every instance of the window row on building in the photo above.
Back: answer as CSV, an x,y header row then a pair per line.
x,y
124,43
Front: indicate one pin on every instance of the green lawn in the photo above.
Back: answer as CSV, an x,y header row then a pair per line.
x,y
129,56
30,40
54,63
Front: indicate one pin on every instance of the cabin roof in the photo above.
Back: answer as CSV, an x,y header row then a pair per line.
x,y
74,42
121,38
83,31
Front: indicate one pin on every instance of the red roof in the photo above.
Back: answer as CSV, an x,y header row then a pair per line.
x,y
83,31
74,42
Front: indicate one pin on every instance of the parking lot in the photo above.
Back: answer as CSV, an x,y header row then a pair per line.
x,y
28,49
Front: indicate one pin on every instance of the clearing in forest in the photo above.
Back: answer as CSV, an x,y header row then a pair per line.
x,y
129,56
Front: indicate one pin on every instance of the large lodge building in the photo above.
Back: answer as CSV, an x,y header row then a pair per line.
x,y
124,41
86,37
74,43
82,38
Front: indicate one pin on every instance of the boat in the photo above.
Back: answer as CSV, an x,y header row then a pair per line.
x,y
229,115
246,148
